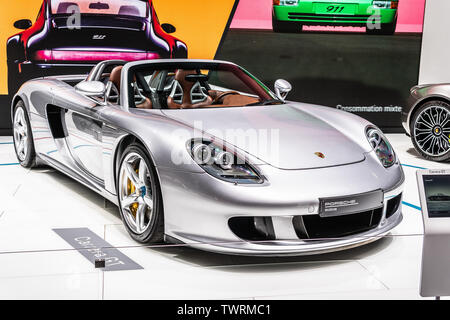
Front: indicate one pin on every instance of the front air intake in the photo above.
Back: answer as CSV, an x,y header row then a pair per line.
x,y
393,205
311,227
252,228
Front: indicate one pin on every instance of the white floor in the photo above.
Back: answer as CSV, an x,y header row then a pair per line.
x,y
35,263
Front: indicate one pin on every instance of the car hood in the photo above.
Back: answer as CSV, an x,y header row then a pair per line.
x,y
283,136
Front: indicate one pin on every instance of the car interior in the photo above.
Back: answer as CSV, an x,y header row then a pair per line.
x,y
187,88
179,89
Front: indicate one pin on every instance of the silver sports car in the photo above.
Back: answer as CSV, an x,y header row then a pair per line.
x,y
427,120
203,153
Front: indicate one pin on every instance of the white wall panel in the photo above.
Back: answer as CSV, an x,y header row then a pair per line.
x,y
435,59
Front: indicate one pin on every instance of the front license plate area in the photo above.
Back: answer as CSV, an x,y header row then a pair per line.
x,y
335,8
341,206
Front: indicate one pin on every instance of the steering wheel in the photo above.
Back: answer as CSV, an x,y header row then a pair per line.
x,y
224,94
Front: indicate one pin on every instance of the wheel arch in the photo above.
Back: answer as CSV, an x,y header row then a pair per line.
x,y
421,102
16,99
120,149
118,153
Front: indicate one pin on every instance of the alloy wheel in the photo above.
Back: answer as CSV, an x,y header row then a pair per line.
x,y
21,134
432,131
136,193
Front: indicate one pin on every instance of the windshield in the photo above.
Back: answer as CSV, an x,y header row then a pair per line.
x,y
202,86
135,8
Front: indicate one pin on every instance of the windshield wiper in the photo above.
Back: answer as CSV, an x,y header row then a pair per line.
x,y
265,103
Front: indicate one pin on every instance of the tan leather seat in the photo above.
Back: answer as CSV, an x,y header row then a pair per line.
x,y
234,99
238,100
116,77
147,104
180,76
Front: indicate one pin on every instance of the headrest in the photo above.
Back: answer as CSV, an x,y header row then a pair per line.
x,y
180,76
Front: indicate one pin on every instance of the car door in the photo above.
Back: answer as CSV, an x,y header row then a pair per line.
x,y
84,141
73,119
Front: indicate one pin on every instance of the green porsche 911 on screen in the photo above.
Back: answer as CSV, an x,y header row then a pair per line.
x,y
378,16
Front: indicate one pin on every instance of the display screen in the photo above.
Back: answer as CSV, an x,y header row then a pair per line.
x,y
437,193
359,56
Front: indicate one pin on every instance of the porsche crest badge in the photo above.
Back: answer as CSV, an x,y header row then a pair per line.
x,y
320,155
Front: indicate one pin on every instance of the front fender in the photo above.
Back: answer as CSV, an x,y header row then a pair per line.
x,y
351,125
165,139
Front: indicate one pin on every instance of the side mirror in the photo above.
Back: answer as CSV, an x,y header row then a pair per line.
x,y
91,88
282,89
168,28
23,24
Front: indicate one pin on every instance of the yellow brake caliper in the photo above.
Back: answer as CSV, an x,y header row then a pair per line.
x,y
131,188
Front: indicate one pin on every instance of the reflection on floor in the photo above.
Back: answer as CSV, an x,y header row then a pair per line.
x,y
37,263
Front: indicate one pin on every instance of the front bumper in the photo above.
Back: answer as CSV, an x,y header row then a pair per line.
x,y
198,207
294,247
307,14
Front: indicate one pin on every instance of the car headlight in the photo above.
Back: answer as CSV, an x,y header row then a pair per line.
x,y
285,2
383,4
381,146
221,163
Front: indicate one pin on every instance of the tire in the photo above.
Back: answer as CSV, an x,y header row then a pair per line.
x,y
285,26
134,197
385,29
23,137
436,130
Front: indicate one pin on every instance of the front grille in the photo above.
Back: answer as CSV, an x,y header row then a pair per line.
x,y
334,18
316,227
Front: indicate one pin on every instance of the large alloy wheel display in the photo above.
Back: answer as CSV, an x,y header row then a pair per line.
x,y
430,131
23,138
139,195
